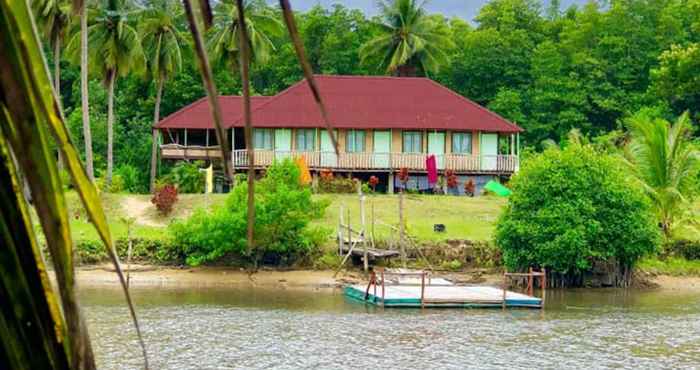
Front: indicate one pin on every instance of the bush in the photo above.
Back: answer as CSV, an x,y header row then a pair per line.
x,y
164,198
688,249
129,179
339,185
187,177
572,207
283,210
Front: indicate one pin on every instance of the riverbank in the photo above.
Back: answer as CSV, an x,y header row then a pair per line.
x,y
149,275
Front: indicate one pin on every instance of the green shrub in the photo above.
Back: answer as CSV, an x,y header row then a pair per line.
x,y
573,206
453,265
187,177
328,260
143,250
688,249
129,178
283,210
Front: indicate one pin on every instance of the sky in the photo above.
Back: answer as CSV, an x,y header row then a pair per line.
x,y
466,9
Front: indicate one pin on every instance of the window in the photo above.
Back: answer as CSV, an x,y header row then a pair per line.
x,y
412,142
462,143
262,138
356,141
306,139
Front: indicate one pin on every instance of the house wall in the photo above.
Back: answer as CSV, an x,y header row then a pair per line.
x,y
369,141
396,141
475,142
448,142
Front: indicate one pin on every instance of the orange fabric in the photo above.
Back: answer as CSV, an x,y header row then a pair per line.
x,y
305,177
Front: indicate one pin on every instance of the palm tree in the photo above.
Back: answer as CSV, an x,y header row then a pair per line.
x,y
114,50
223,41
54,18
666,163
162,46
409,40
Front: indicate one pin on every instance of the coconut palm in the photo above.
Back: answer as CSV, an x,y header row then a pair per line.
x,y
53,17
162,45
84,96
222,41
114,50
666,163
409,40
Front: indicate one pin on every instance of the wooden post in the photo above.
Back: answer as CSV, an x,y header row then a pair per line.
x,y
383,290
341,237
505,286
530,287
362,231
422,290
401,227
544,286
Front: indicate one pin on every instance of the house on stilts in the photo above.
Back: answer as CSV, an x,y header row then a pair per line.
x,y
382,124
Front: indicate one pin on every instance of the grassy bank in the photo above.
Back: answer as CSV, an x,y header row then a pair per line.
x,y
464,218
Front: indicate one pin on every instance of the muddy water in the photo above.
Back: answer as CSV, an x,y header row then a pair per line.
x,y
204,328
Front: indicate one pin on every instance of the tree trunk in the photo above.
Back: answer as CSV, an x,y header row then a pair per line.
x,y
57,83
154,144
110,126
84,93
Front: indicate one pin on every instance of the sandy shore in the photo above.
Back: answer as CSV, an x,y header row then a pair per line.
x,y
145,275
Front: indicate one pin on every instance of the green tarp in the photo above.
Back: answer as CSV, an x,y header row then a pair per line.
x,y
497,188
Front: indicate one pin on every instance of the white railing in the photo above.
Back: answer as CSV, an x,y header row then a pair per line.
x,y
384,161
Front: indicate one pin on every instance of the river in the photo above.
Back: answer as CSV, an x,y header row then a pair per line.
x,y
245,328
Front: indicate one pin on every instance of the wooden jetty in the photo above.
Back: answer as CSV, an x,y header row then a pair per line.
x,y
419,289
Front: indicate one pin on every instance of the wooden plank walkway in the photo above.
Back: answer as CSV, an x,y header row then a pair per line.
x,y
373,253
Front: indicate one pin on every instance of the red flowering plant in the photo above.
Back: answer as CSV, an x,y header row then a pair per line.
x,y
373,182
403,177
469,188
452,181
164,198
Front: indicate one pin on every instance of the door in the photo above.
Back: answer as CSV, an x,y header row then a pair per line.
x,y
328,156
283,143
436,146
489,152
382,148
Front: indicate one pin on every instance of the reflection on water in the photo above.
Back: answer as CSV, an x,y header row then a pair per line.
x,y
215,328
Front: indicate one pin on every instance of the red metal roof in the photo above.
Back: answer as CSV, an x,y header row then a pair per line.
x,y
356,102
198,115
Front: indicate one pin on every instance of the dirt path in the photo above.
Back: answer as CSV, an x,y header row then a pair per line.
x,y
138,208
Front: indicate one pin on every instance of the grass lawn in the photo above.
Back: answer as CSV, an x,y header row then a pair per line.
x,y
464,218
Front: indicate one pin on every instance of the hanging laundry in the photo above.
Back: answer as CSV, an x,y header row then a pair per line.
x,y
305,177
431,166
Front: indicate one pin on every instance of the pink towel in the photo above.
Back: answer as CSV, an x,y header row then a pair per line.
x,y
431,166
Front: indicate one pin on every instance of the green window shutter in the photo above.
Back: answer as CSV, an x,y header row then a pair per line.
x,y
462,143
356,141
412,142
262,138
305,140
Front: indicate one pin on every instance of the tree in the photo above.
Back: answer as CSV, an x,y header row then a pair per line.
x,y
666,164
222,42
114,51
574,207
162,45
677,78
84,98
408,42
54,18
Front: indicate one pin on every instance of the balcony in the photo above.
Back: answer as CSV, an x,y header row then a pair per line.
x,y
177,151
460,163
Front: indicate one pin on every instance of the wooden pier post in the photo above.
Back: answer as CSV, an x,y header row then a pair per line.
x,y
422,290
383,290
544,286
341,237
505,287
530,288
363,230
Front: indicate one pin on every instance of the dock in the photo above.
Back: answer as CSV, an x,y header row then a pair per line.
x,y
420,290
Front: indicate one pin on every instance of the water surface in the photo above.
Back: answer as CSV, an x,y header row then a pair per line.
x,y
242,328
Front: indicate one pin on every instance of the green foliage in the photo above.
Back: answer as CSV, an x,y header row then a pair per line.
x,y
666,164
187,177
453,265
409,40
684,248
673,266
283,210
131,181
573,206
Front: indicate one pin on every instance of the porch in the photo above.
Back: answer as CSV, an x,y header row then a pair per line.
x,y
382,162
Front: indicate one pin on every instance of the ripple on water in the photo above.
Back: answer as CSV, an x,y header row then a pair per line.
x,y
234,329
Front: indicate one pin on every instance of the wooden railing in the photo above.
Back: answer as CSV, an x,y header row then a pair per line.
x,y
385,161
177,151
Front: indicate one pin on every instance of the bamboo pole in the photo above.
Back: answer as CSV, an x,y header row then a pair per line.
x,y
402,230
363,230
